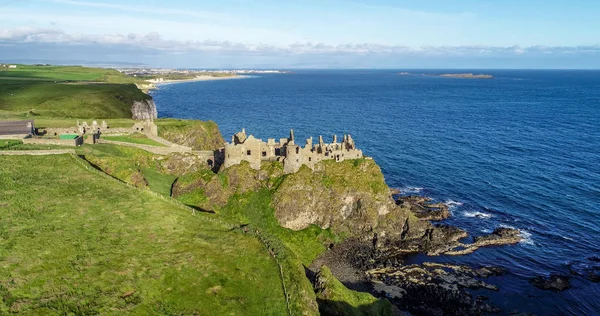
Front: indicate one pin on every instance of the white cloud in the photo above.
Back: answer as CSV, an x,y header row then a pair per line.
x,y
153,43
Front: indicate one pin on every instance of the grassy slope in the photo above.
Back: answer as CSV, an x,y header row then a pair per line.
x,y
134,166
66,91
74,242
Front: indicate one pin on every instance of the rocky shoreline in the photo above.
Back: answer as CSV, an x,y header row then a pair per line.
x,y
377,265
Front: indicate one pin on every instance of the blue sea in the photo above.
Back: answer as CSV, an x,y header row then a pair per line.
x,y
519,150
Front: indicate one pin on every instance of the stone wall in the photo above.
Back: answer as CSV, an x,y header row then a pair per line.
x,y
52,141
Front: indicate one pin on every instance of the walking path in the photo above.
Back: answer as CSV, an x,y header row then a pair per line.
x,y
162,150
166,142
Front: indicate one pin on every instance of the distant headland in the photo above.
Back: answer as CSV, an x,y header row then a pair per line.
x,y
450,75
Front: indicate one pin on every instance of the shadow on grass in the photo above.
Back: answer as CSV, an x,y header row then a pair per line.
x,y
98,168
199,209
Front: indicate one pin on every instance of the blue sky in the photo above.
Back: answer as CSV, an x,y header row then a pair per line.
x,y
305,34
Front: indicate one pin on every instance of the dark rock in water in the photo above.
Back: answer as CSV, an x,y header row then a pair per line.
x,y
589,269
555,282
500,236
594,258
423,209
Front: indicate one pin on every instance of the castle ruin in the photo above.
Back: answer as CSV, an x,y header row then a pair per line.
x,y
293,156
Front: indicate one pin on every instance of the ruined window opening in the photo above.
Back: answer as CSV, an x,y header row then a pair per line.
x,y
277,151
249,152
264,154
309,159
297,150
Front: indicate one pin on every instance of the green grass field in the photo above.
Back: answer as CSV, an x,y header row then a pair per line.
x,y
67,73
73,242
135,138
67,92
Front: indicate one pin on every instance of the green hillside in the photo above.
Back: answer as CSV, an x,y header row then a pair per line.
x,y
67,92
75,242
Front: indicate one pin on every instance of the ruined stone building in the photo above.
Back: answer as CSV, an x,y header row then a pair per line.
x,y
293,156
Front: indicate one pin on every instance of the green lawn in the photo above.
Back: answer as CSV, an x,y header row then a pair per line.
x,y
136,138
73,242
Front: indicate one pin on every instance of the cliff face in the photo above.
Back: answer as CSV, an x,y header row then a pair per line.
x,y
349,197
144,110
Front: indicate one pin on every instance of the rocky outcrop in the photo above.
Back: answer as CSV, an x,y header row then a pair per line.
x,y
349,196
500,236
144,110
423,208
555,282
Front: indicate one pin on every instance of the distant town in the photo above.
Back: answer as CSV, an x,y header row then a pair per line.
x,y
163,71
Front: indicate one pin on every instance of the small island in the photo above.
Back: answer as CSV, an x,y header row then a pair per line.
x,y
460,75
466,76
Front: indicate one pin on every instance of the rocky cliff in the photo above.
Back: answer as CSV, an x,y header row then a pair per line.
x,y
350,198
144,110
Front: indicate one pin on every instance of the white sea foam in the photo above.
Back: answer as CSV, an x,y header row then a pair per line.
x,y
477,214
527,238
411,190
452,203
486,231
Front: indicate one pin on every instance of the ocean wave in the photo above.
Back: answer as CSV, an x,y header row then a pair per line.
x,y
411,190
451,203
477,214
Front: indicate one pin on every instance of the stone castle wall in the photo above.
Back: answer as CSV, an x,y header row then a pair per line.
x,y
293,156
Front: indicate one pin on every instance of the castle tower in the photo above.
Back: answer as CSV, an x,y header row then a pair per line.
x,y
309,143
334,139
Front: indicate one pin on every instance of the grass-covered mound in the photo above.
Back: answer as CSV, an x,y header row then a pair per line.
x,y
67,92
131,165
73,242
200,135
